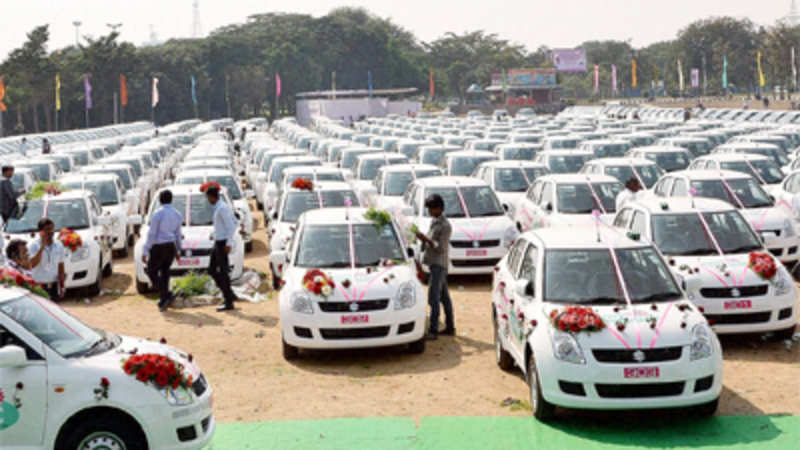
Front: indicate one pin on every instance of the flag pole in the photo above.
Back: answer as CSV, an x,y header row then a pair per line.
x,y
56,121
86,113
116,109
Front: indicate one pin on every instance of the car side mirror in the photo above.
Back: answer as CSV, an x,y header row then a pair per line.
x,y
692,283
135,219
249,193
505,207
410,252
548,207
523,288
12,356
274,215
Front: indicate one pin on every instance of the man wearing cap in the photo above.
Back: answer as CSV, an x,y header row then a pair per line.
x,y
436,255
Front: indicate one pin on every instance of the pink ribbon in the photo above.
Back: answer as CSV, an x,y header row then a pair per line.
x,y
660,324
463,203
730,191
710,234
478,235
626,294
618,336
761,221
755,172
596,198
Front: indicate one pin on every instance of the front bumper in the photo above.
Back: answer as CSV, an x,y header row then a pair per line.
x,y
163,432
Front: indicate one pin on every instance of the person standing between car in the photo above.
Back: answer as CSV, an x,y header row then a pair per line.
x,y
162,247
224,231
8,196
47,263
46,148
436,248
629,194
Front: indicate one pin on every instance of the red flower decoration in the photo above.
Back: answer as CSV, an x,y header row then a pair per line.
x,y
163,340
763,265
303,184
104,382
209,184
70,239
621,327
577,319
316,281
2,396
156,369
346,284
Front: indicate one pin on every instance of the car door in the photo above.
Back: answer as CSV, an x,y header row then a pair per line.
x,y
23,390
545,206
526,216
504,288
526,271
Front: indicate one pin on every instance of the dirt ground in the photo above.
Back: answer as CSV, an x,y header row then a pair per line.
x,y
240,353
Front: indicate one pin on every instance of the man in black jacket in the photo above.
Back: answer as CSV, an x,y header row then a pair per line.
x,y
8,196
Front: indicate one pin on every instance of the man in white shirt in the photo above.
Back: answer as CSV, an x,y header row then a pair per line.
x,y
630,193
225,227
47,262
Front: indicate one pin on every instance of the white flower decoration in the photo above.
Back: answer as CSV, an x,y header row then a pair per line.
x,y
326,290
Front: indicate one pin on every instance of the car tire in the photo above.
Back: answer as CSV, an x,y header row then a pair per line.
x,y
248,247
95,288
290,352
417,347
706,409
259,205
104,432
784,334
541,408
142,287
503,358
108,270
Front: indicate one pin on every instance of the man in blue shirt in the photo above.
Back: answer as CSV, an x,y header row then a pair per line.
x,y
225,227
163,245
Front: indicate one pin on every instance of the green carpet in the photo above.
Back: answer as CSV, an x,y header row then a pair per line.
x,y
483,433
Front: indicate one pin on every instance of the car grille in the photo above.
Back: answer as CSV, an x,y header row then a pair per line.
x,y
474,262
354,333
639,390
626,356
731,319
776,252
744,291
363,305
196,252
471,244
200,386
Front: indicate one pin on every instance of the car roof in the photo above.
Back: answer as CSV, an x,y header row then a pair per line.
x,y
661,149
72,194
204,172
573,178
327,186
510,163
381,155
77,176
332,216
449,181
474,153
621,162
714,174
565,152
408,167
682,205
582,238
735,157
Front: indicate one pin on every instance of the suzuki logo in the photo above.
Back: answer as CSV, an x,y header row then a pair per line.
x,y
476,244
638,356
353,306
735,292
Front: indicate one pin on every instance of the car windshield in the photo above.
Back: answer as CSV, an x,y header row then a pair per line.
x,y
684,234
648,174
64,214
578,198
408,149
297,203
589,277
669,161
564,143
328,246
225,181
369,168
327,176
745,190
567,163
122,173
766,170
105,191
81,158
611,150
479,200
516,179
42,170
66,335
200,210
278,167
349,159
777,155
519,153
136,166
62,161
465,165
433,157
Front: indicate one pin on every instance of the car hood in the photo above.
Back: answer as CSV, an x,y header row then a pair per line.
x,y
718,271
479,228
763,219
133,345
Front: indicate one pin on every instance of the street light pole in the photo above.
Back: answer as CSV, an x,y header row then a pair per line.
x,y
77,24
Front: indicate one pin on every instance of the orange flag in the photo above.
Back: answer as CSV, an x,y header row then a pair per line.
x,y
123,90
2,95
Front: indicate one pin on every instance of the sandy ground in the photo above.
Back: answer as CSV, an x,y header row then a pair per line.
x,y
240,353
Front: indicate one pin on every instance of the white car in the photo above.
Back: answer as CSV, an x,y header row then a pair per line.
x,y
563,161
760,167
376,299
267,187
597,321
46,169
733,296
482,232
367,165
623,169
135,195
463,163
606,148
775,223
510,179
110,193
567,200
198,241
81,212
52,367
386,190
202,164
521,151
237,195
669,159
293,203
144,180
24,179
756,148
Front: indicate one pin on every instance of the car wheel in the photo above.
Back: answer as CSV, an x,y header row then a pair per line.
x,y
784,334
417,347
290,351
542,409
248,247
108,270
97,286
142,287
105,433
503,358
707,409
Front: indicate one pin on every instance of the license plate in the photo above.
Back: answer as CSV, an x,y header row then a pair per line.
x,y
355,318
189,261
739,304
476,252
641,372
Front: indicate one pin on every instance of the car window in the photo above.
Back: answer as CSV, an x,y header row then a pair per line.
x,y
546,195
622,219
680,189
639,224
514,257
528,271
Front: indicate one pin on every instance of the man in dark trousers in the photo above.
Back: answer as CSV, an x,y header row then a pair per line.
x,y
8,196
163,245
436,247
46,148
225,227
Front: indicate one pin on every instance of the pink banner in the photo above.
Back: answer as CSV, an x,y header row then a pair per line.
x,y
614,78
277,85
596,79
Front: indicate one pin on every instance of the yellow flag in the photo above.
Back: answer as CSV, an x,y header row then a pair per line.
x,y
633,73
58,92
761,81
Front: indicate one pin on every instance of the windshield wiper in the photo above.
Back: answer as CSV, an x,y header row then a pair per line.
x,y
488,213
742,249
335,265
657,297
696,252
603,300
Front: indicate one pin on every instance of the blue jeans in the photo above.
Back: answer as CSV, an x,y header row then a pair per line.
x,y
438,292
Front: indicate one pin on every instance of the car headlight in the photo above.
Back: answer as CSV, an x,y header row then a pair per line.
x,y
406,296
701,342
788,228
80,254
510,236
301,303
178,397
566,348
782,285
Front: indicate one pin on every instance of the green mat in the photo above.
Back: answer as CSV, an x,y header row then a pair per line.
x,y
484,433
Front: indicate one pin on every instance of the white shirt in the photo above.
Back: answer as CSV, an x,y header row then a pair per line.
x,y
47,269
625,196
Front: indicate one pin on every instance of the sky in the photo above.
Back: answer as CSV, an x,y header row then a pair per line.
x,y
528,22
